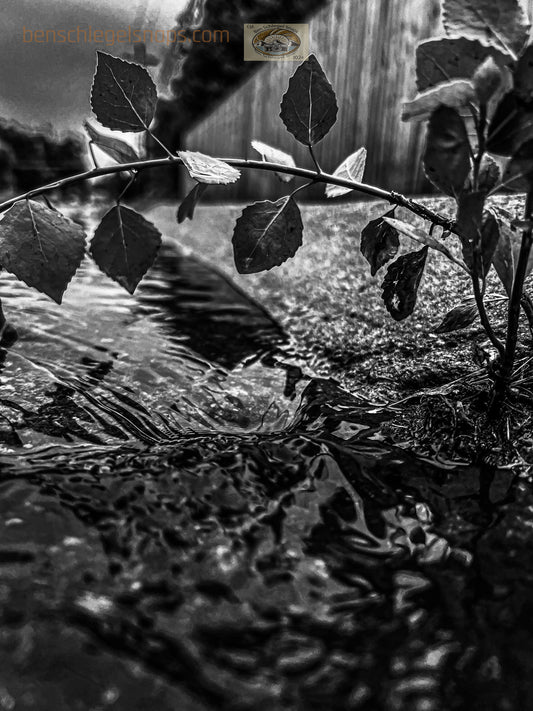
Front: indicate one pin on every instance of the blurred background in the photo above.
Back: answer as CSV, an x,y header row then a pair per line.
x,y
212,100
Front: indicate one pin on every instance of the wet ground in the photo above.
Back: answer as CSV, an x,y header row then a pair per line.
x,y
195,515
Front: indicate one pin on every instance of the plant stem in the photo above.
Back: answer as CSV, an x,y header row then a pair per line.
x,y
483,315
506,368
391,197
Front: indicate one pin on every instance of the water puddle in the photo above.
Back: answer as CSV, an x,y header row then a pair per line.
x,y
188,521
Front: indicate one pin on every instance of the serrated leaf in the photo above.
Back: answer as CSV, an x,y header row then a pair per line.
x,y
41,247
266,235
518,174
352,168
455,94
445,58
206,169
487,79
510,126
505,257
400,286
503,24
273,155
447,155
123,95
125,245
309,107
187,207
379,242
523,75
469,221
422,237
115,148
459,317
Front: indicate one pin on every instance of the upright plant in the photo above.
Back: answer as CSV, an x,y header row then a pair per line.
x,y
478,77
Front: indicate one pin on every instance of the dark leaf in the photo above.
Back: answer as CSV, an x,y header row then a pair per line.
x,y
487,80
445,58
379,242
469,221
459,317
489,174
511,125
503,24
490,234
523,75
206,169
505,257
309,108
125,245
518,174
266,235
187,207
456,93
273,155
115,148
447,154
352,168
41,247
123,95
401,283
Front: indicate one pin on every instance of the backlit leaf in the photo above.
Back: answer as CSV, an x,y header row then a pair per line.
x,y
447,154
125,245
511,125
115,148
379,242
309,107
503,24
400,286
505,257
420,236
206,169
123,95
273,155
456,93
489,174
266,235
444,58
487,79
41,247
352,168
459,317
523,75
187,207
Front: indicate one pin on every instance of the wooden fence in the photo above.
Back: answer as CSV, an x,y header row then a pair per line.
x,y
367,49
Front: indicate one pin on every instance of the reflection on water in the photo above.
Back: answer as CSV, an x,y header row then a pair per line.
x,y
188,522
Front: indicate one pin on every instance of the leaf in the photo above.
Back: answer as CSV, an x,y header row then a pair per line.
x,y
350,169
119,150
273,155
379,242
447,154
206,169
187,207
422,237
505,257
490,235
489,174
503,24
445,58
511,125
523,75
401,283
125,245
123,95
469,221
41,247
266,235
459,317
518,174
309,107
487,80
456,93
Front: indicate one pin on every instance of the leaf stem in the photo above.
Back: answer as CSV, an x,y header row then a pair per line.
x,y
317,165
311,175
